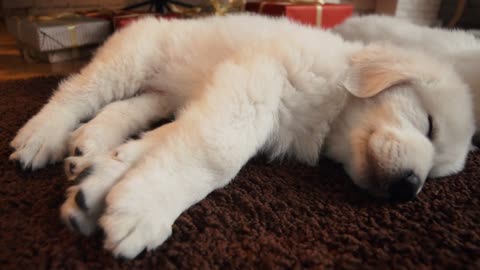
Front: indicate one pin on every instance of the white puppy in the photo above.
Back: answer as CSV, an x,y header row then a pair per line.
x,y
456,47
239,85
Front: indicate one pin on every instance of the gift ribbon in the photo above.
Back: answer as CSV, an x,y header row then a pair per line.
x,y
73,34
221,7
73,39
319,8
318,5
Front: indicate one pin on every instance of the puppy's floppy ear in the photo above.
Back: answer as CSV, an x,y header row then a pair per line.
x,y
374,69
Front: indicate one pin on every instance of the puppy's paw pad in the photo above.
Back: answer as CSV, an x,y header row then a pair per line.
x,y
80,201
80,224
78,148
74,215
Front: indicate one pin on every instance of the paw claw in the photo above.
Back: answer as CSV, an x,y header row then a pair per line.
x,y
14,144
13,156
75,166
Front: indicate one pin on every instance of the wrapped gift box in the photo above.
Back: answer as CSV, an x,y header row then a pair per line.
x,y
47,33
322,15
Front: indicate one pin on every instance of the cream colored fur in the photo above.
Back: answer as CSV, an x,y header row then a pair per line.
x,y
456,47
237,85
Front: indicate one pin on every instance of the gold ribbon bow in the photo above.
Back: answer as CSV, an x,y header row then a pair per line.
x,y
318,4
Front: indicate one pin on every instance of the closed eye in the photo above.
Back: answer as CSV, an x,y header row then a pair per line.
x,y
430,128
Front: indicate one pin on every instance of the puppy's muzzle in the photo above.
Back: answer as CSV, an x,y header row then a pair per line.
x,y
405,188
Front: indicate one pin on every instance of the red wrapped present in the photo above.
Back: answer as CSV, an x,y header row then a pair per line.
x,y
315,13
124,20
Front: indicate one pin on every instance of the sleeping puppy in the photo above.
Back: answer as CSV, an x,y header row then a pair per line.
x,y
456,47
239,85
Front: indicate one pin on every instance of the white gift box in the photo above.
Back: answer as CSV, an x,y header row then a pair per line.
x,y
44,33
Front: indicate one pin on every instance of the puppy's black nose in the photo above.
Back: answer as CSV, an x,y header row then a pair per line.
x,y
405,189
476,139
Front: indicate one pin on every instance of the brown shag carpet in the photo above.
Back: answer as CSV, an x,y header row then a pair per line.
x,y
279,216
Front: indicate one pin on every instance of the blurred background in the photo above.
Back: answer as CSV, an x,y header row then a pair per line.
x,y
51,37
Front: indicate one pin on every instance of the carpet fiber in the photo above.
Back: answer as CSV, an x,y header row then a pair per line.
x,y
281,215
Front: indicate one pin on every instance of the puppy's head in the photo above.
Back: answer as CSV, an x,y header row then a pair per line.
x,y
409,118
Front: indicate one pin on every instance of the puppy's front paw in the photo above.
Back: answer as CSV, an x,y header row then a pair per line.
x,y
133,224
39,142
86,201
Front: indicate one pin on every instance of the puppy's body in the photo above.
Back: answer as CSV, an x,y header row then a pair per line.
x,y
181,63
238,85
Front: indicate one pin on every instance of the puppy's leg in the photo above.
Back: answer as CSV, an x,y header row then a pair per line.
x,y
204,149
119,120
118,71
85,201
